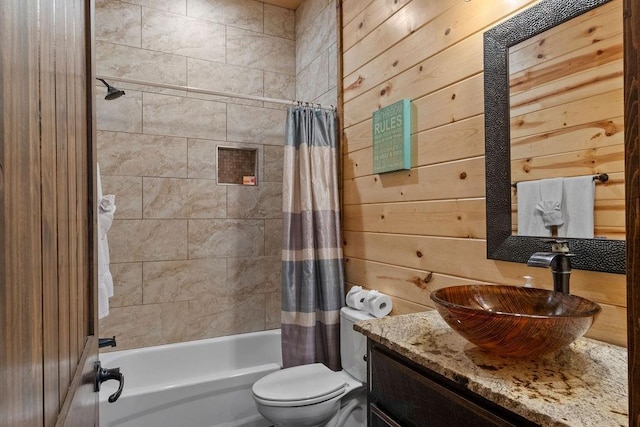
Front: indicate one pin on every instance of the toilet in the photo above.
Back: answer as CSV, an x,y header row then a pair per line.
x,y
314,395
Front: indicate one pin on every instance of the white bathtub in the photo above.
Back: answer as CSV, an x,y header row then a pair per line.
x,y
201,383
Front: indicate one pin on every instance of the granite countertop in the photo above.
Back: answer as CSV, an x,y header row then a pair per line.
x,y
584,384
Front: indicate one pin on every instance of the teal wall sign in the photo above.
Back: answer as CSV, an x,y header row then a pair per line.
x,y
392,137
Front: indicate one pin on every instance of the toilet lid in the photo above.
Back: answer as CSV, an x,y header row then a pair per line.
x,y
306,384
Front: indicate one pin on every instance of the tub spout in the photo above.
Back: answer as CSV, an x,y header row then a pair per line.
x,y
107,342
560,262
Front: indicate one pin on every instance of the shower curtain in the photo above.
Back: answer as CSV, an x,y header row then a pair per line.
x,y
312,270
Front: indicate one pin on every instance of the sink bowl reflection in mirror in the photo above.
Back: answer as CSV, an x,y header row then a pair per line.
x,y
515,321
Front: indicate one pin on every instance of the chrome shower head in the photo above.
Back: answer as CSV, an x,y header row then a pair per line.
x,y
112,92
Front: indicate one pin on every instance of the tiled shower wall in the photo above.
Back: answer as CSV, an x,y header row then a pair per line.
x,y
316,57
190,258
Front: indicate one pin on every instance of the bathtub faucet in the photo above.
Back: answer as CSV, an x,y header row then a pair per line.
x,y
559,259
107,342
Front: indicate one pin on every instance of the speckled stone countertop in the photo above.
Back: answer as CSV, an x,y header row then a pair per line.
x,y
582,385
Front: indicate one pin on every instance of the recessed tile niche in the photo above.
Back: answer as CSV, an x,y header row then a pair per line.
x,y
237,165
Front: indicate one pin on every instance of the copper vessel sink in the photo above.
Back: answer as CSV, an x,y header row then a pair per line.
x,y
515,321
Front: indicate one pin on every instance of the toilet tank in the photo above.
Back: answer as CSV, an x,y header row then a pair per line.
x,y
353,345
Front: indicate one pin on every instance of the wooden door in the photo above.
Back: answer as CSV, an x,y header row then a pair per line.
x,y
632,179
48,323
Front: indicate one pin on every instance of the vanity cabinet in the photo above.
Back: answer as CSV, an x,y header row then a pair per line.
x,y
402,393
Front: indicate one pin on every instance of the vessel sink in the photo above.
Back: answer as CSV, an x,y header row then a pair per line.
x,y
515,321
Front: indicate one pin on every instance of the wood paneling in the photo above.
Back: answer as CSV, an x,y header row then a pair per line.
x,y
47,268
409,232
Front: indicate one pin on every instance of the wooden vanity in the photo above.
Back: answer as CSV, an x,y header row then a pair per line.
x,y
420,372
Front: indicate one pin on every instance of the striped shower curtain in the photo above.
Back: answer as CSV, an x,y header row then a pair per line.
x,y
312,271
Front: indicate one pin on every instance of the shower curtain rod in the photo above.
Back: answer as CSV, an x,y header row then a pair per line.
x,y
215,92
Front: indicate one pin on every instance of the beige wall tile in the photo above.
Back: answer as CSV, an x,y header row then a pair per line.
x,y
141,155
168,281
127,284
256,50
255,275
313,80
273,237
273,163
246,14
273,310
256,125
226,78
173,6
210,238
146,325
279,22
281,86
180,35
122,115
148,240
174,115
202,158
262,201
226,316
314,39
118,22
330,97
128,192
141,64
307,12
183,198
333,65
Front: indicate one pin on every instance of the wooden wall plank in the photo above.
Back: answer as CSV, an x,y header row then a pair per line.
x,y
369,19
398,26
456,218
351,9
52,401
433,254
422,79
73,140
21,351
461,21
463,139
83,204
465,178
62,206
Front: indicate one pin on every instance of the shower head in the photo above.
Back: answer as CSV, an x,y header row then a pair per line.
x,y
112,92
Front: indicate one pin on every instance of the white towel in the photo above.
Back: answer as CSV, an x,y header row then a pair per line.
x,y
551,201
106,209
530,221
578,208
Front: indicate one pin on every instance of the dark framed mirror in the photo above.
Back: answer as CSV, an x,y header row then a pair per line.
x,y
595,254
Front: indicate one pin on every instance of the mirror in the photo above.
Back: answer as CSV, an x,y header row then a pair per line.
x,y
509,148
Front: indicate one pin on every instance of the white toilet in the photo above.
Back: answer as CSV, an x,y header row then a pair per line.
x,y
314,395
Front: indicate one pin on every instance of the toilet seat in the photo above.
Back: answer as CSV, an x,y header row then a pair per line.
x,y
299,386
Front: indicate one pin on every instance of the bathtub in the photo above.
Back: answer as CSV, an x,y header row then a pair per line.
x,y
201,383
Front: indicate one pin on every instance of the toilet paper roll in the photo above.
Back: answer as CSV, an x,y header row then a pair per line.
x,y
377,304
356,297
